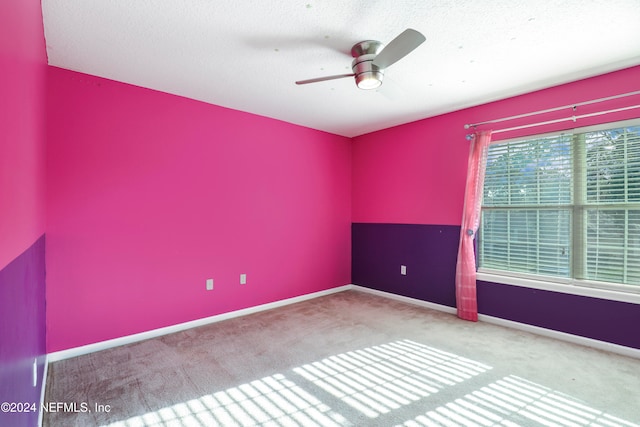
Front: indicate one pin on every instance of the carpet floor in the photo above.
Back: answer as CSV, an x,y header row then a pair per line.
x,y
346,359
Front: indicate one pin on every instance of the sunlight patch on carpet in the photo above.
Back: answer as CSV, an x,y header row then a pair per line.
x,y
374,382
377,380
514,401
269,401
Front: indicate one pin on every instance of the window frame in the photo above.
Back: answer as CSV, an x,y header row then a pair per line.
x,y
582,287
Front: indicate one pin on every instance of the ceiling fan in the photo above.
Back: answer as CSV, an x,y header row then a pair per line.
x,y
373,57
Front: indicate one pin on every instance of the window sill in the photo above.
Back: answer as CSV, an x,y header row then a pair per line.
x,y
565,288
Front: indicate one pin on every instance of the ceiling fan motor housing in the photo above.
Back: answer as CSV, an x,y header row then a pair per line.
x,y
372,58
368,75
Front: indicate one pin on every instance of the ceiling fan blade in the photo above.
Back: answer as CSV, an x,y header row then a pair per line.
x,y
398,48
322,79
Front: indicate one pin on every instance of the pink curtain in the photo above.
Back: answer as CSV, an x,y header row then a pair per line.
x,y
466,300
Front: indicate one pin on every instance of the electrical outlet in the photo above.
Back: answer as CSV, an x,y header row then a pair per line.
x,y
403,270
209,284
243,279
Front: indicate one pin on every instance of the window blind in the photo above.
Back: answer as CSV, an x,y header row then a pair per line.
x,y
564,205
612,205
526,218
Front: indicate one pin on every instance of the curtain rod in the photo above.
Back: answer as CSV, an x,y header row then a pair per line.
x,y
550,110
565,119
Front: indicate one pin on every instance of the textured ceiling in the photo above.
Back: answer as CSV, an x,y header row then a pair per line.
x,y
247,54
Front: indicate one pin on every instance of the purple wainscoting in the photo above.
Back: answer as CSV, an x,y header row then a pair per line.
x,y
22,333
428,251
605,320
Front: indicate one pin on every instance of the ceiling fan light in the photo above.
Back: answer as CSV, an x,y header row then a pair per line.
x,y
369,80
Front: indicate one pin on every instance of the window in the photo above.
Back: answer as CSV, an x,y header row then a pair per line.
x,y
566,207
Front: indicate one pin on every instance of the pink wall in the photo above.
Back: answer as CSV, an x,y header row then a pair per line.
x,y
23,62
150,194
415,173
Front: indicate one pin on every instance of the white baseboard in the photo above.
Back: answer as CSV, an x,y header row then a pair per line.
x,y
563,336
116,342
408,300
103,345
45,372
